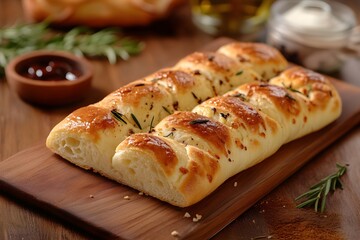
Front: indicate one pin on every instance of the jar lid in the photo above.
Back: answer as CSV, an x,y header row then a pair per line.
x,y
316,23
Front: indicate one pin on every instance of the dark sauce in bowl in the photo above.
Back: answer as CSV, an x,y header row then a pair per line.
x,y
50,78
50,70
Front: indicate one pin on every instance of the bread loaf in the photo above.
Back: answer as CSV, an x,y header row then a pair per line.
x,y
88,136
190,154
98,13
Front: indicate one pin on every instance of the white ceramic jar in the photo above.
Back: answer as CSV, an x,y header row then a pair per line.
x,y
313,33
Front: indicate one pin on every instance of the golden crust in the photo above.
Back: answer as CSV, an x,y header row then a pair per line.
x,y
188,154
283,100
222,71
217,61
245,114
265,60
213,132
178,80
227,134
163,153
135,91
90,120
314,86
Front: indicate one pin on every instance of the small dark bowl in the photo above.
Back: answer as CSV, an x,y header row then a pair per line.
x,y
49,92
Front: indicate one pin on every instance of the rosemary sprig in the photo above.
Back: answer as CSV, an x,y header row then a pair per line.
x,y
317,194
81,41
290,97
166,110
309,90
118,116
241,96
136,121
170,134
151,124
290,88
198,121
239,73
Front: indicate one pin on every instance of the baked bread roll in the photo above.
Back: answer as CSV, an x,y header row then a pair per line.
x,y
190,154
88,136
255,57
98,13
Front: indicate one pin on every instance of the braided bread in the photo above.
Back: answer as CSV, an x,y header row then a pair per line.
x,y
191,153
88,136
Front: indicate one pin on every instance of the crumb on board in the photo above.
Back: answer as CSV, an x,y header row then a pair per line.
x,y
141,193
235,184
261,237
197,217
175,233
126,197
91,196
187,215
195,220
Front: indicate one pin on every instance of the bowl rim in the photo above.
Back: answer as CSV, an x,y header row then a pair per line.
x,y
11,73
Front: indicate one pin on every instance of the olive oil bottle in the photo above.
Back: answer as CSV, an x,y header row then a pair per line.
x,y
230,17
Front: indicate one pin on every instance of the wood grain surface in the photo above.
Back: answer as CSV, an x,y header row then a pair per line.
x,y
97,205
23,125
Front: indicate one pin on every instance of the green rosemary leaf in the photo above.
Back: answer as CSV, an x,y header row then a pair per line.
x,y
309,90
294,90
151,124
290,88
118,116
122,53
110,54
327,187
323,203
316,204
308,202
319,184
241,96
239,73
167,110
307,194
333,185
136,121
342,169
290,97
319,192
170,134
82,41
198,121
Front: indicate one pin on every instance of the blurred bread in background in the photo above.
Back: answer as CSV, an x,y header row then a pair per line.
x,y
98,13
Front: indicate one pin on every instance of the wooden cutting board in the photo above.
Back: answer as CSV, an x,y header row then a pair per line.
x,y
97,205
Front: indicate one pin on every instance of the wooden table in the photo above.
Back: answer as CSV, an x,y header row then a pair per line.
x,y
23,125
